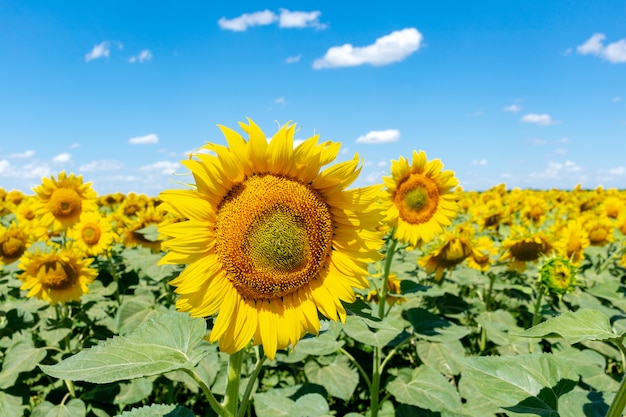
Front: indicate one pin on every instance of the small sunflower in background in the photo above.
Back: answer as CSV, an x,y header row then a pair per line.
x,y
136,231
58,276
483,249
450,249
62,200
523,246
270,238
600,229
14,240
422,201
572,240
93,234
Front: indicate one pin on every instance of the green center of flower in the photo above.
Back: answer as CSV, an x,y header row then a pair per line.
x,y
273,236
417,199
90,233
65,203
56,275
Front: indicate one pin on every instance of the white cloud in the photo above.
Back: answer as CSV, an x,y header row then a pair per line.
x,y
101,50
141,57
293,59
164,167
616,99
560,151
565,140
538,119
379,136
103,165
4,166
621,170
22,155
288,19
554,170
246,20
62,158
479,162
385,50
280,100
614,52
144,140
538,141
513,108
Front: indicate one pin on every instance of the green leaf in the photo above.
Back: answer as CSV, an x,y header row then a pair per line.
x,y
133,391
134,311
574,327
432,327
441,356
165,343
522,384
499,325
324,344
158,410
380,336
361,309
145,263
339,378
426,388
275,402
74,408
10,405
311,405
19,357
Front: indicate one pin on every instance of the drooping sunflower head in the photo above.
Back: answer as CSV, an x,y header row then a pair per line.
x,y
58,276
444,253
421,198
136,232
270,238
523,246
62,200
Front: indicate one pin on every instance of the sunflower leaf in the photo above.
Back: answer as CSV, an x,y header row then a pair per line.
x,y
164,343
583,324
158,410
73,408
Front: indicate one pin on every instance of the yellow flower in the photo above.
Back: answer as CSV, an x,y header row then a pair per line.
x,y
449,251
524,246
482,250
13,243
573,241
394,287
93,234
63,200
422,202
132,235
269,238
58,276
558,276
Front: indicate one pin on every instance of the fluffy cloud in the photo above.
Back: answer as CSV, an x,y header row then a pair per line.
x,y
554,170
101,50
479,162
384,51
141,57
513,108
293,59
618,170
280,100
614,52
164,167
22,155
103,165
62,158
149,139
286,19
379,136
538,119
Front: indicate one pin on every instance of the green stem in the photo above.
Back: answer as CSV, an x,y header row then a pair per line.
x,y
393,351
619,402
375,385
116,278
231,399
246,395
536,315
358,366
382,299
216,406
492,278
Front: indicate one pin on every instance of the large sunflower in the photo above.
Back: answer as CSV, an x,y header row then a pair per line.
x,y
93,234
63,200
422,201
58,276
269,238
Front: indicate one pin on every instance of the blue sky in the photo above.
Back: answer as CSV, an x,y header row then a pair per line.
x,y
531,94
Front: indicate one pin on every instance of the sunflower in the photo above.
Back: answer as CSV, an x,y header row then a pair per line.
x,y
269,238
63,200
523,246
483,248
58,276
394,288
447,251
422,201
133,234
93,233
573,239
14,241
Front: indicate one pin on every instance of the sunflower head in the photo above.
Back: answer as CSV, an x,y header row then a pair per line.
x,y
557,275
270,238
62,200
14,241
93,233
421,198
523,246
58,276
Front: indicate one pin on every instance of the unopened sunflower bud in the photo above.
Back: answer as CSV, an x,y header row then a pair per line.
x,y
558,276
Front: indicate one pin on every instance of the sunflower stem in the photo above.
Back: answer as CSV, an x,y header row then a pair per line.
x,y
382,299
231,398
116,278
374,387
255,374
619,402
215,405
492,279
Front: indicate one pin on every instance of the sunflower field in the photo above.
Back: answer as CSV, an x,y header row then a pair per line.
x,y
267,286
